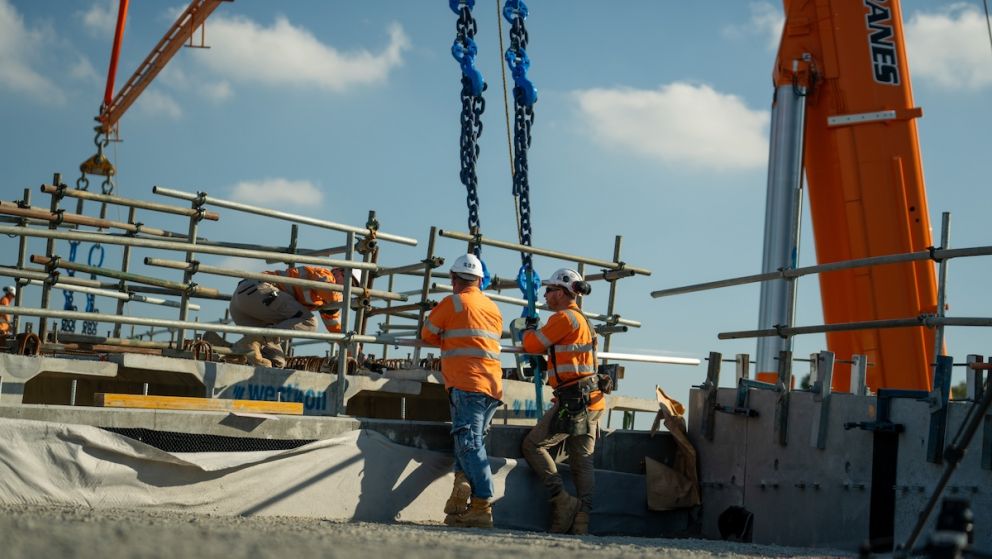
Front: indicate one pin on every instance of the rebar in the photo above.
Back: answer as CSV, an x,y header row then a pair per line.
x,y
210,200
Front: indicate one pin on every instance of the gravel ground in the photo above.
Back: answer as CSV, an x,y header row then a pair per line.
x,y
53,531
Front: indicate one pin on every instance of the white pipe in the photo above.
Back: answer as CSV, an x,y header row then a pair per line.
x,y
116,295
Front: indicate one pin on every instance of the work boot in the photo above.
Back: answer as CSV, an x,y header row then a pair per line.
x,y
563,510
460,494
580,526
478,515
214,339
251,348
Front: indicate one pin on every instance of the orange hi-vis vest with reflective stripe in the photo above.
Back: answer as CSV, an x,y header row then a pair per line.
x,y
5,325
567,331
313,298
467,327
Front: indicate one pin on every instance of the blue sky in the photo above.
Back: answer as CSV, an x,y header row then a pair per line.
x,y
652,123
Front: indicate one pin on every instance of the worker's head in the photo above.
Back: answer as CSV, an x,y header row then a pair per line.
x,y
10,290
563,287
338,273
466,272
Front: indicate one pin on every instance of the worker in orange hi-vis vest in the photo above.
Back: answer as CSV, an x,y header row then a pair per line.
x,y
467,326
272,304
573,421
6,326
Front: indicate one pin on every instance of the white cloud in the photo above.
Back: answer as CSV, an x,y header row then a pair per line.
x,y
101,17
19,50
679,124
217,91
950,47
154,102
176,78
278,192
766,21
287,55
83,70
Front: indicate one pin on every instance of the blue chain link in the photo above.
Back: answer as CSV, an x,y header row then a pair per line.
x,y
67,324
524,97
464,50
89,326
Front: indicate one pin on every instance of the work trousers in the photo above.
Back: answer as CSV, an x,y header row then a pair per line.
x,y
471,414
262,304
542,449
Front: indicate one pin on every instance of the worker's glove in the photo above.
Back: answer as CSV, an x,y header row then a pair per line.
x,y
531,322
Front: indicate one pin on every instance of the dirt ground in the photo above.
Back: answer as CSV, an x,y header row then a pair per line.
x,y
53,531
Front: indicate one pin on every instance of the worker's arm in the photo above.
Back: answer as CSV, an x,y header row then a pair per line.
x,y
538,341
434,325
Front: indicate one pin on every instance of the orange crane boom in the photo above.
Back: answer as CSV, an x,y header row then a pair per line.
x,y
181,31
865,179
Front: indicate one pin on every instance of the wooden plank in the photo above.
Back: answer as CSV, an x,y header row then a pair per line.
x,y
195,404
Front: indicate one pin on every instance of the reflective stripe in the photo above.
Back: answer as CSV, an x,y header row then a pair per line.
x,y
456,300
574,347
542,338
470,333
470,352
571,319
308,298
575,369
430,326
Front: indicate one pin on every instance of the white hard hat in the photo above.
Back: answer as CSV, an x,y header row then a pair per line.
x,y
467,264
10,289
564,277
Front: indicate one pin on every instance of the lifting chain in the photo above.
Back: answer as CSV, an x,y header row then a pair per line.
x,y
464,51
524,97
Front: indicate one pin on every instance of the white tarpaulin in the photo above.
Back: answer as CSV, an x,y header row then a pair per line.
x,y
359,476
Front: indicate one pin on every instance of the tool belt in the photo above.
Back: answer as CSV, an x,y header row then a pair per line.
x,y
572,416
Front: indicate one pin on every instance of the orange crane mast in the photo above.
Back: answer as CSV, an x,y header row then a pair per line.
x,y
860,149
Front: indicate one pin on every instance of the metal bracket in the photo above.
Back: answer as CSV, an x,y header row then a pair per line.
x,y
976,377
822,393
784,393
938,408
710,388
883,416
859,375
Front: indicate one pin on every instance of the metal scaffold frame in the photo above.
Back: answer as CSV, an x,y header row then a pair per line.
x,y
941,255
125,286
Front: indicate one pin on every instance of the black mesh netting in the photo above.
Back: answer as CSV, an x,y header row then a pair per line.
x,y
171,441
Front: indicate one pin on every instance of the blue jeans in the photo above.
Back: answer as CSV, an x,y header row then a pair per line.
x,y
471,414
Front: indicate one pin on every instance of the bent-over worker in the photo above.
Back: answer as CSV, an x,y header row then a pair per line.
x,y
6,326
272,304
573,420
467,326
